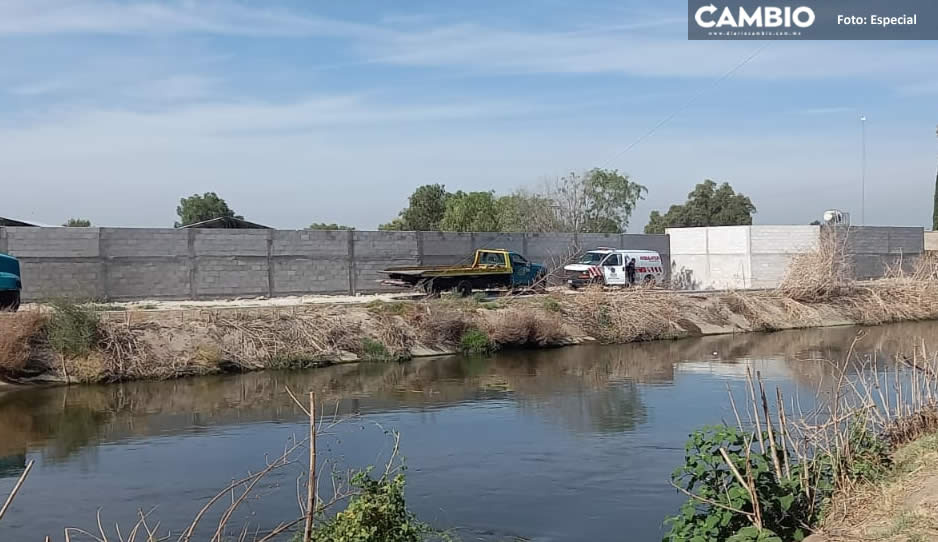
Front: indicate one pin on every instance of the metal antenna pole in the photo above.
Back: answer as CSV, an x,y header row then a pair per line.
x,y
863,171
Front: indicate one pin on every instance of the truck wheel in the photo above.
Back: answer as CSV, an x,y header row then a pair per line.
x,y
464,288
649,281
9,301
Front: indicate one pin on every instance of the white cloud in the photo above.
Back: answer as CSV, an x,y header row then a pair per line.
x,y
47,17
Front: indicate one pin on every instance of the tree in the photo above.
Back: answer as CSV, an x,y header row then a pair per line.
x,y
707,205
77,223
424,211
198,208
470,211
525,212
815,223
599,201
324,226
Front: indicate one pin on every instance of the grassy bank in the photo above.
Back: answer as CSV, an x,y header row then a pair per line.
x,y
94,343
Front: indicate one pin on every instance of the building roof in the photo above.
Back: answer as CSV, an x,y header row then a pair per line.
x,y
227,222
13,223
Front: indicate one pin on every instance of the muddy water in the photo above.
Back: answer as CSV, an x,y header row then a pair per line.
x,y
568,444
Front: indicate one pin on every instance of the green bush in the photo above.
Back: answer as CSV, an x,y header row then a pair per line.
x,y
72,329
474,341
376,513
788,507
372,350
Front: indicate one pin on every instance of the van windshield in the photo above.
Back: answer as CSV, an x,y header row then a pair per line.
x,y
592,258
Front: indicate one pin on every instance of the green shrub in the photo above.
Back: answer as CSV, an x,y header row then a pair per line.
x,y
372,350
552,305
474,341
788,507
376,513
72,329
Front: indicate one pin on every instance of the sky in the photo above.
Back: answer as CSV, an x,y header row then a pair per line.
x,y
305,111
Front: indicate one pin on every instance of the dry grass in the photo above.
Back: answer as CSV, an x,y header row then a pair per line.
x,y
525,328
820,275
630,315
17,331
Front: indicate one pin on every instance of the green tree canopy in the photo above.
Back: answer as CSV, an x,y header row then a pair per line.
x,y
707,205
198,208
470,211
424,211
77,223
324,226
599,201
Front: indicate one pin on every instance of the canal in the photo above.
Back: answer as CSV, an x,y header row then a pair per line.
x,y
574,443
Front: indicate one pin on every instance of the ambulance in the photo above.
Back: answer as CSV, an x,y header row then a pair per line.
x,y
607,266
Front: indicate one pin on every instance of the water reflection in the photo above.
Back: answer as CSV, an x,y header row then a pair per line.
x,y
587,388
566,444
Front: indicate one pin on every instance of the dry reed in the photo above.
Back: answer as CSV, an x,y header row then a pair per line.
x,y
17,332
819,275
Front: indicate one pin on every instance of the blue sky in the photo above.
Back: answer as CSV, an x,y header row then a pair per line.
x,y
303,111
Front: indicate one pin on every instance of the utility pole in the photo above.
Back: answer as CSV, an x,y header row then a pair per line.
x,y
863,170
934,217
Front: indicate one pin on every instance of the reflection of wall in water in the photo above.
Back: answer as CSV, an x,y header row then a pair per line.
x,y
591,386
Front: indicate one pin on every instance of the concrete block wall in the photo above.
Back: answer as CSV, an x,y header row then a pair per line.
x,y
873,250
309,260
155,263
931,241
772,249
760,256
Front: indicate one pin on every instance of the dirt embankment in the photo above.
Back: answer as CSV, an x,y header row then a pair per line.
x,y
141,344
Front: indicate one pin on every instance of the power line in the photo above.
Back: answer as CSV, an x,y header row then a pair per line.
x,y
687,104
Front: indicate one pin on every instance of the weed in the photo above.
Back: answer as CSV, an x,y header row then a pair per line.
x,y
552,305
376,513
475,341
372,350
387,307
73,328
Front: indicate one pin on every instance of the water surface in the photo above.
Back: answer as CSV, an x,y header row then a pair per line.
x,y
567,444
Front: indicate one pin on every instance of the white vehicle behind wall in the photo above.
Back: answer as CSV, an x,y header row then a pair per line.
x,y
609,267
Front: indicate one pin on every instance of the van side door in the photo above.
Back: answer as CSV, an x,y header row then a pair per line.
x,y
613,270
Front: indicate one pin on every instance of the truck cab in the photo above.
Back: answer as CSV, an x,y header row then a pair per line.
x,y
523,272
10,283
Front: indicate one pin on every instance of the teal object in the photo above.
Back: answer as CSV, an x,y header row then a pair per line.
x,y
523,272
10,283
10,273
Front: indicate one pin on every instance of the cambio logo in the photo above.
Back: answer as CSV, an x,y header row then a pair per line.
x,y
760,17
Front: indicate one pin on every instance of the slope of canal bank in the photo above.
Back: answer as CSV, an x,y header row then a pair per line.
x,y
71,343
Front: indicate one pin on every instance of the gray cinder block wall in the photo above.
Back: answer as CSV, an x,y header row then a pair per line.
x,y
151,263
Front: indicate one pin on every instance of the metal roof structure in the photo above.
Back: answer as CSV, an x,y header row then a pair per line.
x,y
13,223
228,222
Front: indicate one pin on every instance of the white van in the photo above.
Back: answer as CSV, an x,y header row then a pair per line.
x,y
607,266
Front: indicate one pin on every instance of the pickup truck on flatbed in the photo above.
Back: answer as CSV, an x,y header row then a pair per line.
x,y
491,268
